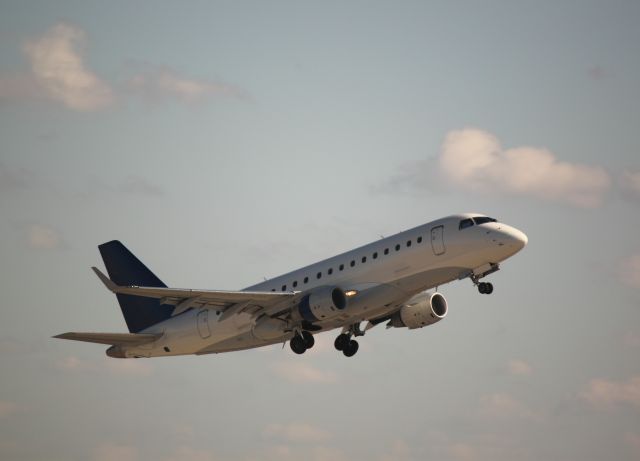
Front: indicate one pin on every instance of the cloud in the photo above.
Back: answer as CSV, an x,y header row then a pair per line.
x,y
606,393
186,453
301,372
160,83
59,69
110,452
296,432
520,368
475,161
500,406
20,87
43,237
630,270
121,367
630,184
400,450
7,408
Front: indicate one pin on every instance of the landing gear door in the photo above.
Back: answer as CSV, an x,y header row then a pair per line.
x,y
203,323
437,240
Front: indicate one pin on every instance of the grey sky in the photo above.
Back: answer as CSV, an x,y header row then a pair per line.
x,y
224,142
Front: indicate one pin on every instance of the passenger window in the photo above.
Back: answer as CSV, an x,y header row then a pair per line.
x,y
330,271
352,263
408,243
284,287
318,275
465,223
398,247
386,251
295,283
364,259
306,279
341,267
273,289
375,255
419,240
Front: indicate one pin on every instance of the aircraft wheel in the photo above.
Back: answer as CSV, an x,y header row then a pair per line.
x,y
297,345
308,339
488,289
351,348
341,342
482,288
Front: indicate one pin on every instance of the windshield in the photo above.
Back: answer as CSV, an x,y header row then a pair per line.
x,y
475,221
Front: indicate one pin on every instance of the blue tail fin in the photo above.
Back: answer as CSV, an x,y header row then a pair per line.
x,y
125,269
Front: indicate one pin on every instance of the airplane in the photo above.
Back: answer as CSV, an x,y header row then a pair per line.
x,y
390,280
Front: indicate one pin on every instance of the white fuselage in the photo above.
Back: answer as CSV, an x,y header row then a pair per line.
x,y
380,276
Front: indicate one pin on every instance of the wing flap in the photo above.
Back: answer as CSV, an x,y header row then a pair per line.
x,y
114,339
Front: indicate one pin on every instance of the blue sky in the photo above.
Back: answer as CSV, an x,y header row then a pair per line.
x,y
225,142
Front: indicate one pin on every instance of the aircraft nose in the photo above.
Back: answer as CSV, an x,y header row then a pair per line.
x,y
517,238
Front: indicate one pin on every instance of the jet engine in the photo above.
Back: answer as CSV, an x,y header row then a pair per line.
x,y
421,310
322,304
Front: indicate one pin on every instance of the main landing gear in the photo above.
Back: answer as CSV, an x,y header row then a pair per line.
x,y
301,342
485,288
345,344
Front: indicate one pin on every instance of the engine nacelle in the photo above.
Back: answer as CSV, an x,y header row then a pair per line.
x,y
322,304
421,310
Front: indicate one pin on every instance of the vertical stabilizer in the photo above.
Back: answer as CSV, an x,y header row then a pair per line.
x,y
125,269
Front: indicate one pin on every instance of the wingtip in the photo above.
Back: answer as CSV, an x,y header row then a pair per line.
x,y
104,279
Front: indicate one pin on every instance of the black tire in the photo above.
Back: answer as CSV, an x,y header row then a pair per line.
x,y
308,339
488,289
351,348
341,342
297,345
482,288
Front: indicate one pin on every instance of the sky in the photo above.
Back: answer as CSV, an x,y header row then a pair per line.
x,y
225,142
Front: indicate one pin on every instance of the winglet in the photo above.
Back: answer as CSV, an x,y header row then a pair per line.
x,y
104,279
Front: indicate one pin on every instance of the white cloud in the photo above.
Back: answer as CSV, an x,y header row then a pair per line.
x,y
7,408
630,270
111,452
607,393
302,372
161,83
474,160
520,368
43,237
296,432
500,406
59,69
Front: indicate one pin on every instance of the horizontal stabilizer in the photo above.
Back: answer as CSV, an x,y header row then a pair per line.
x,y
114,339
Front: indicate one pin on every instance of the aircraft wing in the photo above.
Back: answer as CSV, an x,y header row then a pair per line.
x,y
230,302
115,339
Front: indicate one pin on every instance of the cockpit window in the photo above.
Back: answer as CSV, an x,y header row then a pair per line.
x,y
483,219
466,223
